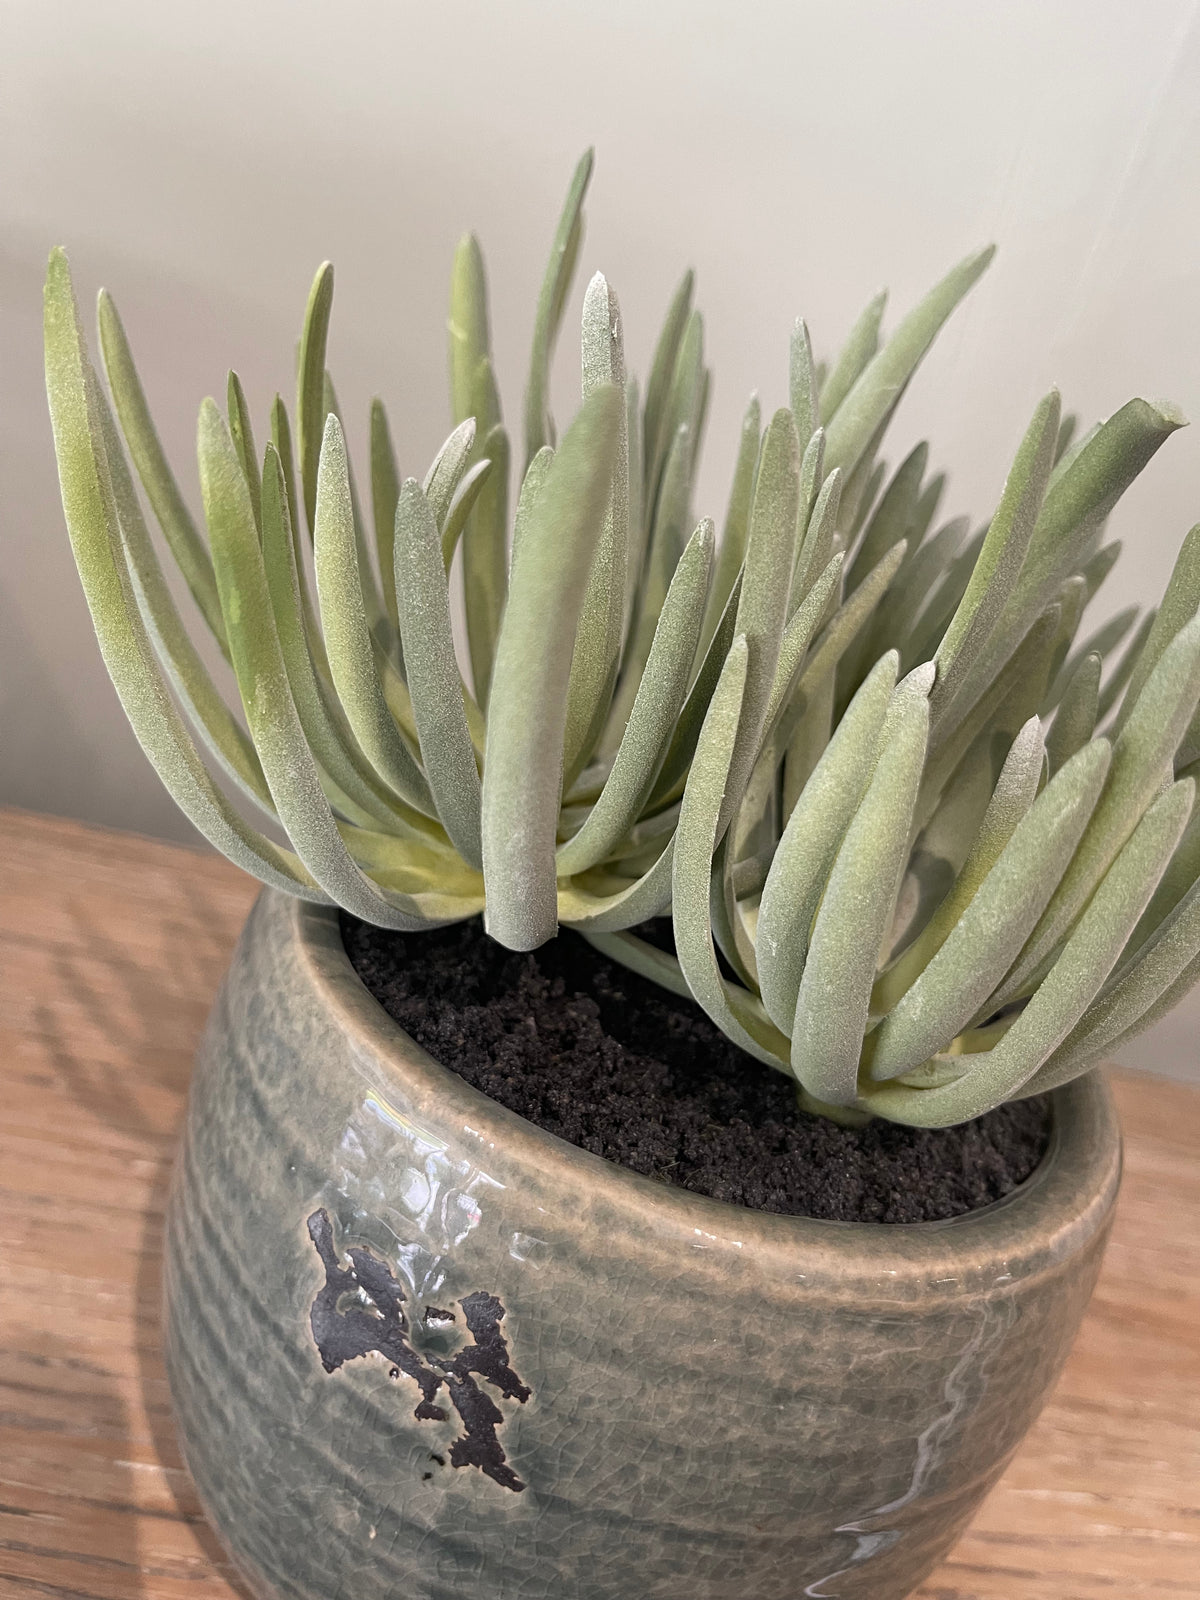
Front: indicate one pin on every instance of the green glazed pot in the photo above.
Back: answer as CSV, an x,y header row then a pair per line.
x,y
420,1348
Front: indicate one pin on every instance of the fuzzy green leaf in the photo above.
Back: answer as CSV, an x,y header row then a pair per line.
x,y
857,905
655,711
875,393
539,426
522,780
433,677
992,927
311,408
150,462
806,852
1089,955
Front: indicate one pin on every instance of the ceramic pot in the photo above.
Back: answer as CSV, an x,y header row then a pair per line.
x,y
419,1347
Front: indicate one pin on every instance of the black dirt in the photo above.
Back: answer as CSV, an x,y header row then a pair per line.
x,y
607,1060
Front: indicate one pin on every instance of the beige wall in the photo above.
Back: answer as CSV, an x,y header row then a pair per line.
x,y
200,160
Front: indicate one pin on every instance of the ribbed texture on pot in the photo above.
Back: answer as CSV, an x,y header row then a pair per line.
x,y
722,1404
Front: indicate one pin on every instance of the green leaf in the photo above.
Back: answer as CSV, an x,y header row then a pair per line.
x,y
522,780
447,469
270,711
657,430
892,517
352,659
732,549
474,482
176,521
1122,671
433,677
189,677
802,383
858,903
1015,791
991,928
875,393
639,956
311,409
806,852
1142,759
485,548
1075,720
763,607
589,909
691,718
597,653
1095,570
1008,538
539,426
817,547
861,344
736,1013
363,796
92,523
1179,605
1123,1007
653,717
467,326
243,440
385,492
1102,643
999,1074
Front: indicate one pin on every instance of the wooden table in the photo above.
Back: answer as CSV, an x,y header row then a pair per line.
x,y
111,948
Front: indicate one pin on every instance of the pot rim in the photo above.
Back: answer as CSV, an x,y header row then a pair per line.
x,y
1068,1198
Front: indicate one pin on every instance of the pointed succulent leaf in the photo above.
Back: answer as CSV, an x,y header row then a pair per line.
x,y
807,850
242,434
999,565
467,325
1179,605
433,677
522,781
539,426
734,1012
363,797
1141,760
1015,791
656,426
993,926
92,522
732,550
802,383
857,905
875,393
189,677
385,492
999,1074
150,462
654,715
598,643
1075,720
892,517
347,636
861,344
311,407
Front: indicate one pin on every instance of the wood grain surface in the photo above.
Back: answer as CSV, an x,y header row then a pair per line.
x,y
111,947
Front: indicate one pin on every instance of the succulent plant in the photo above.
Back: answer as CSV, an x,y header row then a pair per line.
x,y
853,754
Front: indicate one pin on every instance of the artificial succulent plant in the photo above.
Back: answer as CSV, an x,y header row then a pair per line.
x,y
850,750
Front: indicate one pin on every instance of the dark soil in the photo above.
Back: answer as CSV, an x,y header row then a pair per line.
x,y
607,1060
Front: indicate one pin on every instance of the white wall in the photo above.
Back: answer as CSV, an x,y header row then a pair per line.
x,y
200,160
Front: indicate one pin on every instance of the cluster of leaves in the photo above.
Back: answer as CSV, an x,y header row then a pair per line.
x,y
852,752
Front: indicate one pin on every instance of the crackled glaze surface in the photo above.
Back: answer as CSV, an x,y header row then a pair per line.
x,y
418,1347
